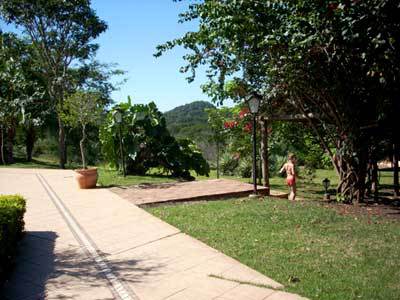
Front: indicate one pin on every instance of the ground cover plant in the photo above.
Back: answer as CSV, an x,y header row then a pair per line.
x,y
311,249
12,209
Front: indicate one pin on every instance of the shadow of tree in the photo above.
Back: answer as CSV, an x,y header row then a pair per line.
x,y
47,268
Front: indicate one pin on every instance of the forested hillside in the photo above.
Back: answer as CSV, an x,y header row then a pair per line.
x,y
190,121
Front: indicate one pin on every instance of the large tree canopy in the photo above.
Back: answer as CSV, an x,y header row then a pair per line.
x,y
20,91
62,34
336,62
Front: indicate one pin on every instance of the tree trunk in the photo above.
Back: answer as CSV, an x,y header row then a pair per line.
x,y
352,177
374,179
61,143
10,144
81,144
30,137
396,168
3,160
217,159
264,152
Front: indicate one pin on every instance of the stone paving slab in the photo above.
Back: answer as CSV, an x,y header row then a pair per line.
x,y
148,257
151,194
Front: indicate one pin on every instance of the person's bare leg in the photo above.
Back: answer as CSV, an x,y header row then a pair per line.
x,y
294,192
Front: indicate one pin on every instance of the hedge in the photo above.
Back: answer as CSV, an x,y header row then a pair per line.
x,y
12,209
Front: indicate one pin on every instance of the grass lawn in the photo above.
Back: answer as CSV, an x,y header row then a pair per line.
x,y
36,163
311,249
110,177
107,176
306,188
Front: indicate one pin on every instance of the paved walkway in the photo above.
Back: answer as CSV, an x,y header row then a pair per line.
x,y
92,244
189,191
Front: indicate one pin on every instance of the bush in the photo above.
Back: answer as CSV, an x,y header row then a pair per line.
x,y
147,143
245,167
275,164
228,164
12,209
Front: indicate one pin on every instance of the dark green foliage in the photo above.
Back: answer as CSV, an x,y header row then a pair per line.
x,y
229,163
244,169
12,209
334,62
61,34
148,144
291,137
190,121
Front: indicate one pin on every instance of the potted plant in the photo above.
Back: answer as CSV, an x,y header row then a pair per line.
x,y
81,109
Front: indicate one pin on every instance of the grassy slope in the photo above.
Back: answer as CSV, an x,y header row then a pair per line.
x,y
332,256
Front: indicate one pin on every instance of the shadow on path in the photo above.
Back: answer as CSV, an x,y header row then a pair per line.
x,y
49,269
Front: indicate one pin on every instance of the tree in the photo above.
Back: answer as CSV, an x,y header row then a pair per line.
x,y
81,109
337,63
18,90
216,119
61,33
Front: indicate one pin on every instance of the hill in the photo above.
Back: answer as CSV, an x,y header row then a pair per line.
x,y
190,121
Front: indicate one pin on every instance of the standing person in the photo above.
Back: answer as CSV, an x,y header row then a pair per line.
x,y
289,168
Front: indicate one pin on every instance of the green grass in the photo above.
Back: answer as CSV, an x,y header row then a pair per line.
x,y
107,176
35,163
333,256
111,177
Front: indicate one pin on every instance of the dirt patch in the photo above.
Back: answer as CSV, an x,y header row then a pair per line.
x,y
388,211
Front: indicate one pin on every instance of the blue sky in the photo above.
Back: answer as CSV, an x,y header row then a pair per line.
x,y
135,28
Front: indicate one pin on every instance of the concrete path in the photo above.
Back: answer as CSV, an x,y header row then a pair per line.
x,y
151,194
92,244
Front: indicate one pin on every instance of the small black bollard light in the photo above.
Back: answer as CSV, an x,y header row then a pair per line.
x,y
326,183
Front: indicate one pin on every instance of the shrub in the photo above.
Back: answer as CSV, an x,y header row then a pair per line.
x,y
147,143
245,167
275,164
228,164
12,209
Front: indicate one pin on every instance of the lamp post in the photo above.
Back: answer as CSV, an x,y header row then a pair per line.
x,y
253,101
326,183
118,119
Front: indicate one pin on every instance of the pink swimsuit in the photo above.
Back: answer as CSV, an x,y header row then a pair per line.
x,y
291,180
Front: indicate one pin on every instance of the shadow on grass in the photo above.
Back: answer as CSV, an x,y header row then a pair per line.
x,y
36,164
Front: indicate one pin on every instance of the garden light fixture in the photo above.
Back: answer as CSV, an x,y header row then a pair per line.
x,y
326,183
253,101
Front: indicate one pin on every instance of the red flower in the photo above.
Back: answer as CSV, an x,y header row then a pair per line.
x,y
243,113
333,6
230,124
248,127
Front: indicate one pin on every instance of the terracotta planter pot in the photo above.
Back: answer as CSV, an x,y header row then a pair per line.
x,y
86,178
